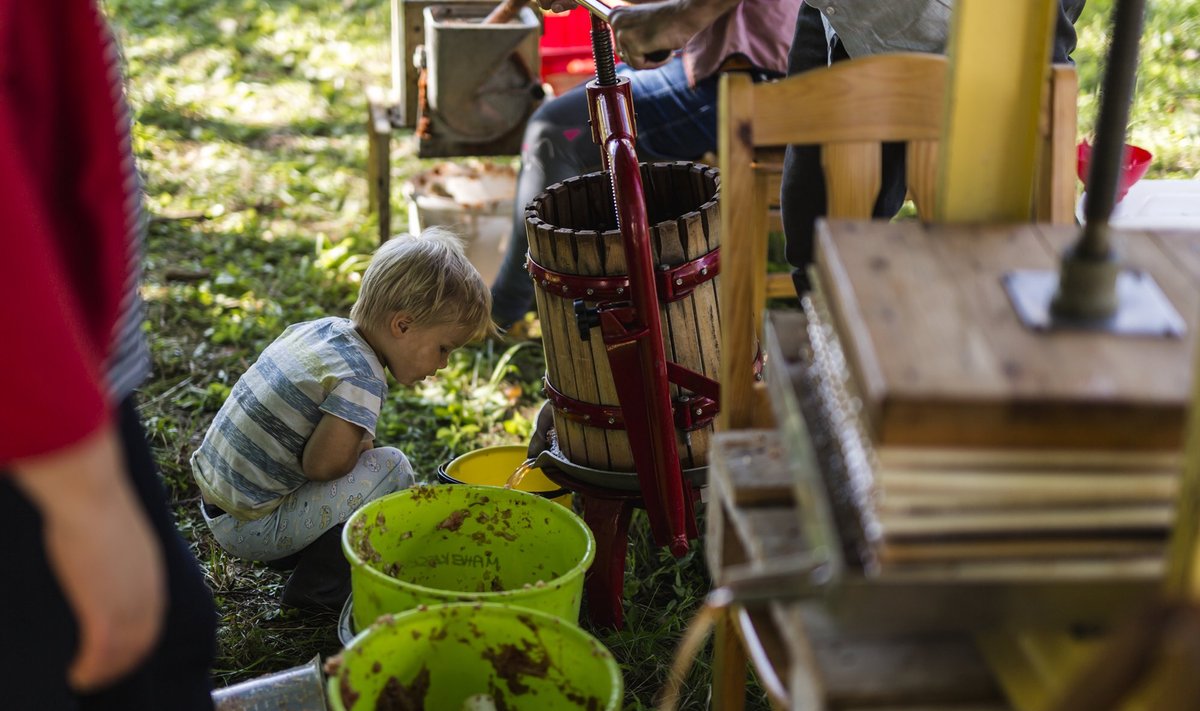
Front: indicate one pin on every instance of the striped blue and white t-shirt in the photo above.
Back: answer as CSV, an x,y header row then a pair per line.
x,y
250,457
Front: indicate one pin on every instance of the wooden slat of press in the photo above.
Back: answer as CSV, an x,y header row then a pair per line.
x,y
726,544
1093,520
559,328
539,236
602,389
697,341
925,494
707,230
768,531
755,466
678,332
673,190
600,197
935,459
590,363
578,377
948,551
930,671
741,534
960,368
1137,571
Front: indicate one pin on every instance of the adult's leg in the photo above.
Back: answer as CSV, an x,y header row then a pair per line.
x,y
675,122
41,627
802,190
1064,30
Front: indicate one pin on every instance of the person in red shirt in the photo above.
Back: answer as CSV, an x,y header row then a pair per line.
x,y
102,605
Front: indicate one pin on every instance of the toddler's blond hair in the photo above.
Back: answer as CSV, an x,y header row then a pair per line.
x,y
429,278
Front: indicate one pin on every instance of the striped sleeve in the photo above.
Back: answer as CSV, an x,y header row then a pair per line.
x,y
356,400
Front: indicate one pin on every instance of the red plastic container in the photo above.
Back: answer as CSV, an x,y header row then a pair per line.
x,y
1134,165
566,48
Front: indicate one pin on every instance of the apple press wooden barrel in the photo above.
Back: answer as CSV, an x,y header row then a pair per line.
x,y
576,253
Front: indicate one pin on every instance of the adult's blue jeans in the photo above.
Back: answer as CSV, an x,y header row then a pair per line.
x,y
674,122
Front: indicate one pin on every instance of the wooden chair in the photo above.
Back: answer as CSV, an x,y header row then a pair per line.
x,y
848,110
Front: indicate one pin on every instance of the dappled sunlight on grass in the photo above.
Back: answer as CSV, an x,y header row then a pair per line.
x,y
1165,116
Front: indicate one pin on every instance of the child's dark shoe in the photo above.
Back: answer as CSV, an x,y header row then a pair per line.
x,y
321,580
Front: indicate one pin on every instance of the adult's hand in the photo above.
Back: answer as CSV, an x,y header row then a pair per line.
x,y
650,28
102,550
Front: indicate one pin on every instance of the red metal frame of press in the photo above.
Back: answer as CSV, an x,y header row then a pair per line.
x,y
627,313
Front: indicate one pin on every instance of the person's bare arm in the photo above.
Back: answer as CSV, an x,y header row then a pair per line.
x,y
333,449
102,550
645,28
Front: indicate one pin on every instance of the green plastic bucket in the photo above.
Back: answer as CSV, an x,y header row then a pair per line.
x,y
438,657
492,466
439,544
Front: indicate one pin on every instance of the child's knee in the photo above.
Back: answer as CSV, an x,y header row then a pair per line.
x,y
400,472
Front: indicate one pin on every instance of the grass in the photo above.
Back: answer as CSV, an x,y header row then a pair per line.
x,y
249,132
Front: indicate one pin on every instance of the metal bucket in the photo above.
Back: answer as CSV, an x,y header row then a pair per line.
x,y
300,688
482,81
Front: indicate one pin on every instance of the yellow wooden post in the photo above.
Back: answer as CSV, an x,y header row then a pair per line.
x,y
999,61
999,58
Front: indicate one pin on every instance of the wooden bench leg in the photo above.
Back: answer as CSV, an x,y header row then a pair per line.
x,y
379,174
729,667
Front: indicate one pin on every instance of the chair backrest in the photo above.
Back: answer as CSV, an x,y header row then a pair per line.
x,y
848,110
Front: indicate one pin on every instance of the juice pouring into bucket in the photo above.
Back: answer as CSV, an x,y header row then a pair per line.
x,y
514,479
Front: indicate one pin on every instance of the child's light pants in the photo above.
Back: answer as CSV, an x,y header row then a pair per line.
x,y
313,509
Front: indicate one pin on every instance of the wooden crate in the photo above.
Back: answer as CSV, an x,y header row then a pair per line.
x,y
802,657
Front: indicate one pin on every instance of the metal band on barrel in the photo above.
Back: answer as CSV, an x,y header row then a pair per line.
x,y
607,416
673,283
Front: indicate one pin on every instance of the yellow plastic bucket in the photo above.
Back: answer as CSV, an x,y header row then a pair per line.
x,y
440,657
436,544
492,466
